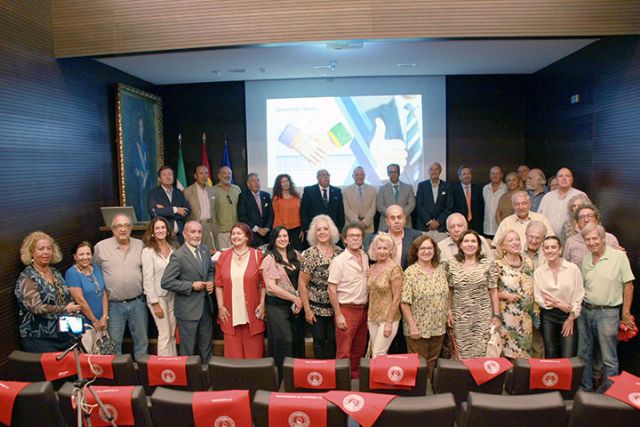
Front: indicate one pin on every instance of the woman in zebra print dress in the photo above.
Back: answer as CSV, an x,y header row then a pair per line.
x,y
473,281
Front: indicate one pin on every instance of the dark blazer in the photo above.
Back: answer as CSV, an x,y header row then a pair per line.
x,y
179,276
459,204
312,205
409,236
157,196
426,210
249,213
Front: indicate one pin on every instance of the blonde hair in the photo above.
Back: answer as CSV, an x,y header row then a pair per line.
x,y
29,245
382,237
500,253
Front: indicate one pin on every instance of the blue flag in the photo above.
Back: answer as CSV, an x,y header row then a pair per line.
x,y
226,158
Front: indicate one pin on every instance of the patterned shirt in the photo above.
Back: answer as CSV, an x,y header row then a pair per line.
x,y
380,293
428,298
316,265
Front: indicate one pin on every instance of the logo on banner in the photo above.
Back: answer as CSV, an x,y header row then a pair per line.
x,y
168,376
63,373
491,366
550,379
224,421
395,374
315,378
96,369
111,410
299,419
353,402
634,398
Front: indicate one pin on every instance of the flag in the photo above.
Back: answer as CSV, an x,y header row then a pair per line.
x,y
226,158
205,159
181,176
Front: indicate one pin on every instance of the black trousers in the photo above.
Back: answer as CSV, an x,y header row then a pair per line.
x,y
324,337
285,332
555,345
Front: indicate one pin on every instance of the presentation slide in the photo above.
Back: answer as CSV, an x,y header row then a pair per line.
x,y
301,133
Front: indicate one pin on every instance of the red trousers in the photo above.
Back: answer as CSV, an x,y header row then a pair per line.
x,y
352,342
241,345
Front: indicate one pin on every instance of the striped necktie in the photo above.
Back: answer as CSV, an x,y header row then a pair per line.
x,y
414,145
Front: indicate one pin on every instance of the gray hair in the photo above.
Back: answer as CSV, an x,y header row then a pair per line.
x,y
455,215
333,230
536,224
590,227
517,194
591,207
120,215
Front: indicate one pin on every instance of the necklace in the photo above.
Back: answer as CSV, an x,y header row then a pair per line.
x,y
86,272
242,254
44,273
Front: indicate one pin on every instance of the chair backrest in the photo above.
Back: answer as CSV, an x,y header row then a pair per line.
x,y
453,376
169,405
195,376
37,405
434,411
343,376
24,366
489,410
592,409
141,414
260,411
420,389
124,372
243,374
518,381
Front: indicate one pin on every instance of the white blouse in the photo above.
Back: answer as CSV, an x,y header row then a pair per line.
x,y
238,302
568,288
153,266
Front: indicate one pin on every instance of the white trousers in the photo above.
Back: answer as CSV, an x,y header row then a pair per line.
x,y
378,343
166,326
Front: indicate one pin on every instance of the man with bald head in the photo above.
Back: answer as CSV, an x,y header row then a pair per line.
x,y
201,198
554,204
433,204
519,220
226,206
456,225
322,198
120,258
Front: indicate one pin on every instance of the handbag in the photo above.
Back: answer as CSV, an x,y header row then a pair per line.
x,y
494,346
104,344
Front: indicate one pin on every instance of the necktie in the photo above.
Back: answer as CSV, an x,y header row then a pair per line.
x,y
198,259
413,141
467,195
360,202
325,197
257,197
396,192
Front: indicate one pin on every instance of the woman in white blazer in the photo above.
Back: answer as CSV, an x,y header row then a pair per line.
x,y
159,244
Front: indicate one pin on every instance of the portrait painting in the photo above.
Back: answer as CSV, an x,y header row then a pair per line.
x,y
140,146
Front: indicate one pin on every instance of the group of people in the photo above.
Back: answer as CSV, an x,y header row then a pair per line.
x,y
551,280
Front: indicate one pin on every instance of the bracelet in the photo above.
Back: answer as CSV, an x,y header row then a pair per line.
x,y
498,316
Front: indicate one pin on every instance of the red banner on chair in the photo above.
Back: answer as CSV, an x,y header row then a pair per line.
x,y
96,365
54,370
313,373
550,374
9,390
393,371
222,408
365,408
297,410
625,388
167,370
117,402
484,369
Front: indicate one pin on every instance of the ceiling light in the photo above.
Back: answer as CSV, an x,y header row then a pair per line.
x,y
406,64
344,45
330,66
237,70
216,73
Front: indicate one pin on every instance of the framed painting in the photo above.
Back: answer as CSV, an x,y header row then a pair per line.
x,y
140,146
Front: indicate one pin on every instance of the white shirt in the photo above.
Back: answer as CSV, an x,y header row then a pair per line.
x,y
556,208
153,266
568,288
238,303
434,190
449,249
512,222
491,200
203,199
322,194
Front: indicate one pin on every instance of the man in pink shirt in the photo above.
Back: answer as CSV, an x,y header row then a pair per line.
x,y
348,294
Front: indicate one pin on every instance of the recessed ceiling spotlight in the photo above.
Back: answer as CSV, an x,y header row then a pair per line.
x,y
237,70
216,73
406,64
264,70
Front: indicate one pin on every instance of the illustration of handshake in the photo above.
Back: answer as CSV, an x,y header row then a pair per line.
x,y
315,147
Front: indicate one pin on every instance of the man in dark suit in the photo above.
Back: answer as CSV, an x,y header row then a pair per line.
x,y
433,204
254,209
168,202
189,275
468,195
322,199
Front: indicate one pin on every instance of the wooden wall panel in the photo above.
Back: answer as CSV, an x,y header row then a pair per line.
x,y
597,138
56,145
83,28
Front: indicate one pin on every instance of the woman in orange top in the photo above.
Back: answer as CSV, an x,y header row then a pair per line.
x,y
240,294
286,209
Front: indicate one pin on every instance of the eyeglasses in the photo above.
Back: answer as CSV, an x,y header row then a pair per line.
x,y
229,199
118,226
585,216
425,249
354,236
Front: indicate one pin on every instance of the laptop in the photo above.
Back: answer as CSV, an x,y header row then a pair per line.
x,y
110,211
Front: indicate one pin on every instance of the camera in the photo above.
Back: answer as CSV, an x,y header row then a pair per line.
x,y
71,324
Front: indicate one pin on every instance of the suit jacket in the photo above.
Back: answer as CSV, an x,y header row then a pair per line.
x,y
191,194
157,196
249,213
312,205
386,198
409,236
179,276
351,205
427,210
459,204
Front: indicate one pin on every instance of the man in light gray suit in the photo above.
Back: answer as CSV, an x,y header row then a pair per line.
x,y
189,275
395,192
201,198
359,201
